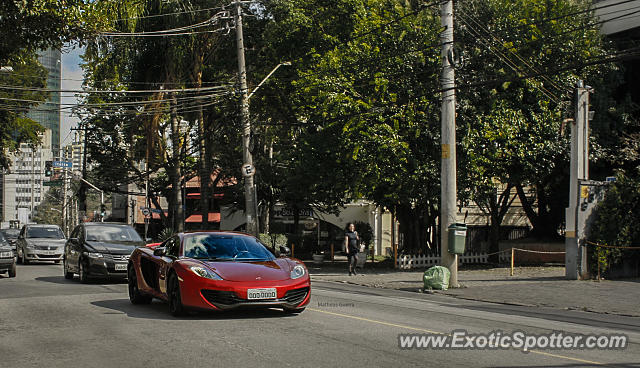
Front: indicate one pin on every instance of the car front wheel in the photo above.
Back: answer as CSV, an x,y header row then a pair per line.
x,y
82,272
67,274
175,299
12,271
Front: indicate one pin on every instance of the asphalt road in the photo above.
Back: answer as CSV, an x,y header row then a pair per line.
x,y
47,321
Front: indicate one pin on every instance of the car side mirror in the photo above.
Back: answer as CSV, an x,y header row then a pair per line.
x,y
159,251
284,251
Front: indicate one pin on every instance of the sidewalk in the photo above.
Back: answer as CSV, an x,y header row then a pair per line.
x,y
530,286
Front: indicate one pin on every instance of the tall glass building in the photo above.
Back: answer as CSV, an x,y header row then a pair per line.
x,y
48,113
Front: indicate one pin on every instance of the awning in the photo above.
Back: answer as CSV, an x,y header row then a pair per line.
x,y
213,217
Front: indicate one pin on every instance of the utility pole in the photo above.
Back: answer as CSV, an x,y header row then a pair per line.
x,y
448,141
33,180
247,166
64,202
575,255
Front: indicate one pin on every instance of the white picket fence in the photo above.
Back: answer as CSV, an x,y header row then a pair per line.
x,y
406,262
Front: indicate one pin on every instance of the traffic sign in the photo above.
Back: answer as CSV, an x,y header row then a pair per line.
x,y
66,164
248,170
52,183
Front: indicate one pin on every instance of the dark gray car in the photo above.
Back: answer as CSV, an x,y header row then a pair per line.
x,y
38,242
11,235
7,258
100,249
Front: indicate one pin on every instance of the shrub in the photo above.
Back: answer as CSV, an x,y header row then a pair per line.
x,y
615,223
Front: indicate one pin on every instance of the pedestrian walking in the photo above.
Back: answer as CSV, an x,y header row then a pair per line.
x,y
352,247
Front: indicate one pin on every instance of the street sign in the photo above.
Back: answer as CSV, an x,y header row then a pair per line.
x,y
611,178
155,210
248,170
145,211
66,164
52,183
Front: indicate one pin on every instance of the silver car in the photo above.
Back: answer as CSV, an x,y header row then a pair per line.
x,y
40,243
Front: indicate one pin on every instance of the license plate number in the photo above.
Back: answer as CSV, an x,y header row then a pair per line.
x,y
48,252
121,267
267,293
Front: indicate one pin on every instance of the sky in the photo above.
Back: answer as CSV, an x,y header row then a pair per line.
x,y
71,79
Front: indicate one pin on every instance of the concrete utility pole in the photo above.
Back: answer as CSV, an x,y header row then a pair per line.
x,y
448,140
576,256
247,159
64,202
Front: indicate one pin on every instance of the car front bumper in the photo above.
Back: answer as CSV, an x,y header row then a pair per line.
x,y
106,268
6,264
43,255
205,294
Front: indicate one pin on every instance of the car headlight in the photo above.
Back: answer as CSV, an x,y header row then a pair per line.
x,y
6,254
297,272
93,255
206,273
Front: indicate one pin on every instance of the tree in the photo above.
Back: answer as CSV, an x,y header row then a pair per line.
x,y
523,59
24,89
39,24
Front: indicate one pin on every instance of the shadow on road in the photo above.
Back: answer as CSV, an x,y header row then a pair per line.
x,y
62,280
160,310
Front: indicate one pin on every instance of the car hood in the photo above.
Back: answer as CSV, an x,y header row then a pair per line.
x,y
114,247
47,242
4,248
277,270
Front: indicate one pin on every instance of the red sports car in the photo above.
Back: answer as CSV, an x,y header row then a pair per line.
x,y
217,270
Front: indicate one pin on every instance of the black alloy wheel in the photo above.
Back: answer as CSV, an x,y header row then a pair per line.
x,y
82,272
67,274
175,299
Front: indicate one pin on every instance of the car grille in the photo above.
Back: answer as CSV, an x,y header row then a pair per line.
x,y
228,298
118,257
220,297
48,255
296,296
45,247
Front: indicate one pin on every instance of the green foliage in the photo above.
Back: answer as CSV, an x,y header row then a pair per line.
x,y
615,222
274,241
166,233
15,126
38,24
365,232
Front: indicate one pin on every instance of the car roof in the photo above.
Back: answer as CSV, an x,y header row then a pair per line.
x,y
105,224
42,225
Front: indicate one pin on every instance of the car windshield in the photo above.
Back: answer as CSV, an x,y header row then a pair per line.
x,y
44,232
112,233
225,247
10,234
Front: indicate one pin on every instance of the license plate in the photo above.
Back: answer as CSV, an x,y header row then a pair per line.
x,y
267,293
121,267
48,252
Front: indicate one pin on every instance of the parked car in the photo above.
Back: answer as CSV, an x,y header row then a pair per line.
x,y
217,271
38,242
7,258
12,237
100,249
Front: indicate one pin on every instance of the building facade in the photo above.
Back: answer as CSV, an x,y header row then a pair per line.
x,y
23,185
47,114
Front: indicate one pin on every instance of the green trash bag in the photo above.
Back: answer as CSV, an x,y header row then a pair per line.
x,y
437,277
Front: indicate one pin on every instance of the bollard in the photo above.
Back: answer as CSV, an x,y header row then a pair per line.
x,y
331,252
513,252
292,246
395,255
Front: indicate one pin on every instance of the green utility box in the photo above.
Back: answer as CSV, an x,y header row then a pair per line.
x,y
457,238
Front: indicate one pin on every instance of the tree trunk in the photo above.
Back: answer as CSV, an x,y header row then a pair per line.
x,y
176,172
